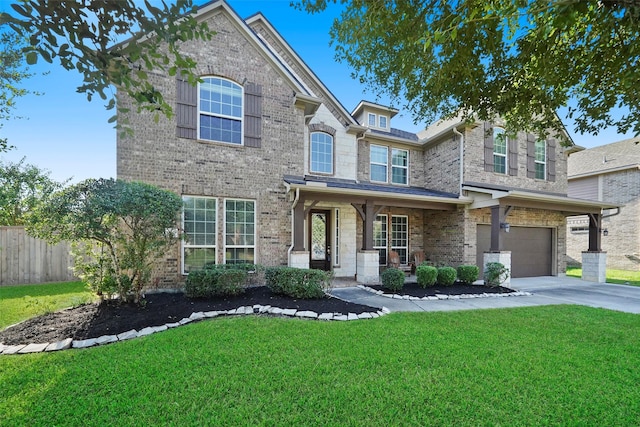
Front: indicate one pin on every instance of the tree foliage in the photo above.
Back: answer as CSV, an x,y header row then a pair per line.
x,y
522,60
88,35
22,188
123,226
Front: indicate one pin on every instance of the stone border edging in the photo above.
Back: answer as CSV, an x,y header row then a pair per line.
x,y
200,315
439,297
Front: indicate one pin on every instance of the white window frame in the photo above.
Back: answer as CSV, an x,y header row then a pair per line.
x,y
371,119
386,164
540,162
405,247
311,146
239,118
500,131
399,167
385,232
255,228
386,121
184,243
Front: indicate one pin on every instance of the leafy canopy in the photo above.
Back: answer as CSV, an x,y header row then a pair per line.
x,y
124,226
22,188
84,36
519,59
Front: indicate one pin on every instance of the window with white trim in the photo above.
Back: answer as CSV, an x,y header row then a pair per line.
x,y
380,237
499,150
379,160
321,153
399,166
400,236
199,224
240,231
383,122
541,159
372,119
220,110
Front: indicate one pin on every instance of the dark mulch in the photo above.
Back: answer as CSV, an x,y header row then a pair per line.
x,y
415,290
112,318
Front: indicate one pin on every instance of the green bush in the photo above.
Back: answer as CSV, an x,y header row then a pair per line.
x,y
393,279
495,274
298,282
255,272
468,273
446,276
426,275
214,282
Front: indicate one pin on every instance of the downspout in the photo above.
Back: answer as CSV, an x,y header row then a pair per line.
x,y
457,132
293,206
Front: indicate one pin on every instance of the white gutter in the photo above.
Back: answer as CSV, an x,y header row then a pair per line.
x,y
293,206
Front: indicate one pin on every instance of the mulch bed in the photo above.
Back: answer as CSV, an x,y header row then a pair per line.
x,y
111,318
415,290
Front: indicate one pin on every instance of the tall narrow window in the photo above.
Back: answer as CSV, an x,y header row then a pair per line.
x,y
240,231
499,150
383,122
220,106
541,159
321,153
400,236
199,225
372,119
399,166
380,237
379,162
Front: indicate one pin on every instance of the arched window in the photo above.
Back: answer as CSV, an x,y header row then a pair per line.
x,y
321,153
220,110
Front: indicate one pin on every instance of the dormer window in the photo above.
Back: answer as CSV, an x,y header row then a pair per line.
x,y
372,120
383,122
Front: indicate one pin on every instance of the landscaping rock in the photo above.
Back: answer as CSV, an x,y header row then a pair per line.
x,y
60,345
127,335
106,339
83,343
326,316
12,349
33,348
307,314
289,312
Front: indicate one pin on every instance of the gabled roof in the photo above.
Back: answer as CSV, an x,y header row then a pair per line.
x,y
608,158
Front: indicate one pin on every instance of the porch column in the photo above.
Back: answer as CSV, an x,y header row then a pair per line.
x,y
298,226
594,260
367,232
496,238
595,239
496,254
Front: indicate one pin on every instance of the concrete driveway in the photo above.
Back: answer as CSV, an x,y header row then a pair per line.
x,y
546,290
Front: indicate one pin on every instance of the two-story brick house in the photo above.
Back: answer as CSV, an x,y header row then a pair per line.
x,y
274,170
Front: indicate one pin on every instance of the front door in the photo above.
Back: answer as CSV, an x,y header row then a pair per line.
x,y
320,239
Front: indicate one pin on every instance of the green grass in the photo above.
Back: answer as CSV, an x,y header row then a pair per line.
x,y
552,365
21,302
624,277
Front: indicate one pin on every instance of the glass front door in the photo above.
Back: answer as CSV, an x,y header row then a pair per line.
x,y
319,239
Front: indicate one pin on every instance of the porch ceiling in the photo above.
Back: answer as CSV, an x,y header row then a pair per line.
x,y
348,191
487,196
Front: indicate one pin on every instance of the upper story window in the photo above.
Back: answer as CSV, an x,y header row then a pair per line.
x,y
321,153
372,119
379,161
383,122
499,150
399,166
541,159
220,110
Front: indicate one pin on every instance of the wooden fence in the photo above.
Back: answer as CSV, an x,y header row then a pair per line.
x,y
24,259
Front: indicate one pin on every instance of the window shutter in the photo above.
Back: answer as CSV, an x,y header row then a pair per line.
x,y
551,160
513,156
186,110
252,115
531,155
488,147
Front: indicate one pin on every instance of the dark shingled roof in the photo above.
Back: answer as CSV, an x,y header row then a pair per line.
x,y
397,133
365,186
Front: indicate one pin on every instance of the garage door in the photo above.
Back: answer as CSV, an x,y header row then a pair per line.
x,y
531,249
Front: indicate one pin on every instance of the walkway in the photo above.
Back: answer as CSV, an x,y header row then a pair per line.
x,y
546,290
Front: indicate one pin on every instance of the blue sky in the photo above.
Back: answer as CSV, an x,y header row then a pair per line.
x,y
64,133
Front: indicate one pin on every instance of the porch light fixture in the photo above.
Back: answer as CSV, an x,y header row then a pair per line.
x,y
605,232
505,226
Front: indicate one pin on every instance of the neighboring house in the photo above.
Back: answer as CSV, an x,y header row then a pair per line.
x,y
609,173
274,170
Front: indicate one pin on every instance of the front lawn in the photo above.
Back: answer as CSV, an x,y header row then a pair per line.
x,y
21,302
622,277
552,365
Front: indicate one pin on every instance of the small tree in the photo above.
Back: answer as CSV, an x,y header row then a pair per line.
x,y
129,223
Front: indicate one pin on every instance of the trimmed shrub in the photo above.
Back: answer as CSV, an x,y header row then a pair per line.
x,y
468,273
446,276
298,282
393,279
214,282
255,272
426,275
495,273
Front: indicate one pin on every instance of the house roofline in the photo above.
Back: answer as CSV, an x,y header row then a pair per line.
x,y
603,171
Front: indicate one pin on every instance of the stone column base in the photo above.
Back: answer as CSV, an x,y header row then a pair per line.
x,y
299,259
594,266
367,267
504,258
